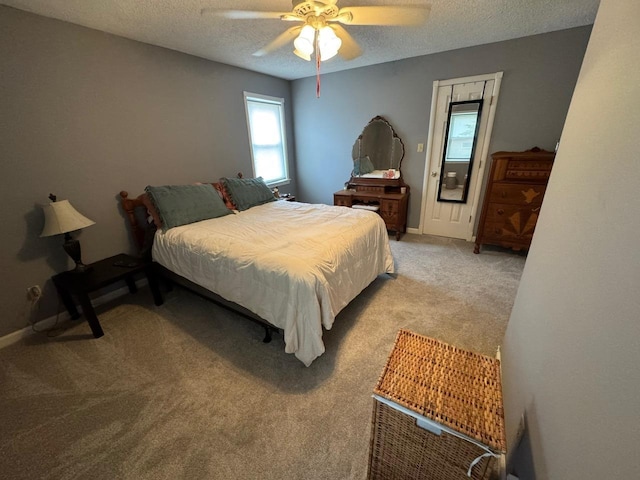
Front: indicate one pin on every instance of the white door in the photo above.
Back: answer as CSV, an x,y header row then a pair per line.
x,y
447,218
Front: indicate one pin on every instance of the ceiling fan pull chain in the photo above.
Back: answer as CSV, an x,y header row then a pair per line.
x,y
318,59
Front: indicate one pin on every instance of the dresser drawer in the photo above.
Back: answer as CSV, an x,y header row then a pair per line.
x,y
391,206
389,210
502,233
505,212
342,200
513,223
520,194
370,188
527,170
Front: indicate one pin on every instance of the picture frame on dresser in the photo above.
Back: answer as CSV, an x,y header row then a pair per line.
x,y
513,198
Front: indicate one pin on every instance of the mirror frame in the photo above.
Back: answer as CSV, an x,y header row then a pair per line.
x,y
396,139
465,188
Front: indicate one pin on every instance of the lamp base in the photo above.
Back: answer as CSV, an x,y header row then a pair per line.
x,y
72,247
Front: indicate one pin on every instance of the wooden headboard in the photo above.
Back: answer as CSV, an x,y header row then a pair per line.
x,y
141,232
129,205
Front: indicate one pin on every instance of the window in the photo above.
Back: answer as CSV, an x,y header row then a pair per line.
x,y
265,120
462,131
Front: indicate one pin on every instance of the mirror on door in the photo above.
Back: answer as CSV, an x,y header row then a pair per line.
x,y
461,138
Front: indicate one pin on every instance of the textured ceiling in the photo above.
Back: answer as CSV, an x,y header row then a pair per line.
x,y
178,25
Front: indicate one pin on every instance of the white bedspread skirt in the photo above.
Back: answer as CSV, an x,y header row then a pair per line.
x,y
295,265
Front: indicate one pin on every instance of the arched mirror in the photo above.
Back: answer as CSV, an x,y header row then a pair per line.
x,y
377,152
461,138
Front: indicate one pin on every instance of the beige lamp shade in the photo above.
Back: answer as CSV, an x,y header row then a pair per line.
x,y
61,217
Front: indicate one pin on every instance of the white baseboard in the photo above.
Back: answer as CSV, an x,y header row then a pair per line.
x,y
15,337
417,231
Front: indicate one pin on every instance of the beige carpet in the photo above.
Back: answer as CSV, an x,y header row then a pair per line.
x,y
188,390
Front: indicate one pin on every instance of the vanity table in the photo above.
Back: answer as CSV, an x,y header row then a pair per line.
x,y
376,180
392,205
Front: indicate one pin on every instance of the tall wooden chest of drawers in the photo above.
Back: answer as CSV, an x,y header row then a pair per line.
x,y
513,198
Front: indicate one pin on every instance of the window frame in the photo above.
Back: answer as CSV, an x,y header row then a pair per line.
x,y
280,102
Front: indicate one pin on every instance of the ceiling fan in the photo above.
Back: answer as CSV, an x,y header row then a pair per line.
x,y
321,30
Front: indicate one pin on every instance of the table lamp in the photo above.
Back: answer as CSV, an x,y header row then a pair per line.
x,y
61,217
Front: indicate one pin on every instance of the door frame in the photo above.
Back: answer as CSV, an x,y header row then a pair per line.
x,y
483,164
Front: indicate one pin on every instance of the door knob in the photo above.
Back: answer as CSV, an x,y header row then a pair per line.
x,y
433,174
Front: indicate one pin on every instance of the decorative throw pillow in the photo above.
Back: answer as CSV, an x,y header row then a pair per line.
x,y
151,210
224,195
182,204
247,192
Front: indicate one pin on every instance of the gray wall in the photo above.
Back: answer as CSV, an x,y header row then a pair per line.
x,y
539,76
85,115
572,347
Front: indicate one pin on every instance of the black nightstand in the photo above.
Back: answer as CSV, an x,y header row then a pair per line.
x,y
102,274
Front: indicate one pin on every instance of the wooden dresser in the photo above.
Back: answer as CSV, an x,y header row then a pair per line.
x,y
391,202
513,198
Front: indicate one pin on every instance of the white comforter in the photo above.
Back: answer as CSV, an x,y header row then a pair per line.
x,y
295,265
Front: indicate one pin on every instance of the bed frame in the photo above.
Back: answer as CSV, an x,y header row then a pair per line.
x,y
143,235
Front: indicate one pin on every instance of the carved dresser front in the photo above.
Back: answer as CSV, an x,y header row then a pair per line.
x,y
513,198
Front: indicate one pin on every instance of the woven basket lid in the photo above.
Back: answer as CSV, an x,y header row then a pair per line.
x,y
456,388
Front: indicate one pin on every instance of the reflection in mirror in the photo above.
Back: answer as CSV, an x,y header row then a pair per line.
x,y
460,145
378,151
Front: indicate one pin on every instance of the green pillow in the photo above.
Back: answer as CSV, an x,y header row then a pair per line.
x,y
248,192
362,166
182,204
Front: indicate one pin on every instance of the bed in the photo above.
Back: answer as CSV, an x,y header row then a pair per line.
x,y
290,265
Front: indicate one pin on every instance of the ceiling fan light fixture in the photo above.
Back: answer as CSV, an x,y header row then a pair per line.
x,y
328,43
326,54
304,42
302,55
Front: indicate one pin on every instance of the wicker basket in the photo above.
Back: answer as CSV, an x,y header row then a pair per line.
x,y
437,413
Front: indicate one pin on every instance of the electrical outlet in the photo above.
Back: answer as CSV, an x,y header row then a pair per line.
x,y
420,147
34,293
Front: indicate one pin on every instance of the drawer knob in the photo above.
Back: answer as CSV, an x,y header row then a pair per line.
x,y
504,194
500,211
497,230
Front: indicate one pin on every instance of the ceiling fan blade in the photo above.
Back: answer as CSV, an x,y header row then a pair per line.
x,y
349,48
409,15
280,41
295,3
242,14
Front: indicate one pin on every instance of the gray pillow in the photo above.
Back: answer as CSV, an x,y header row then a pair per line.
x,y
182,204
248,192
